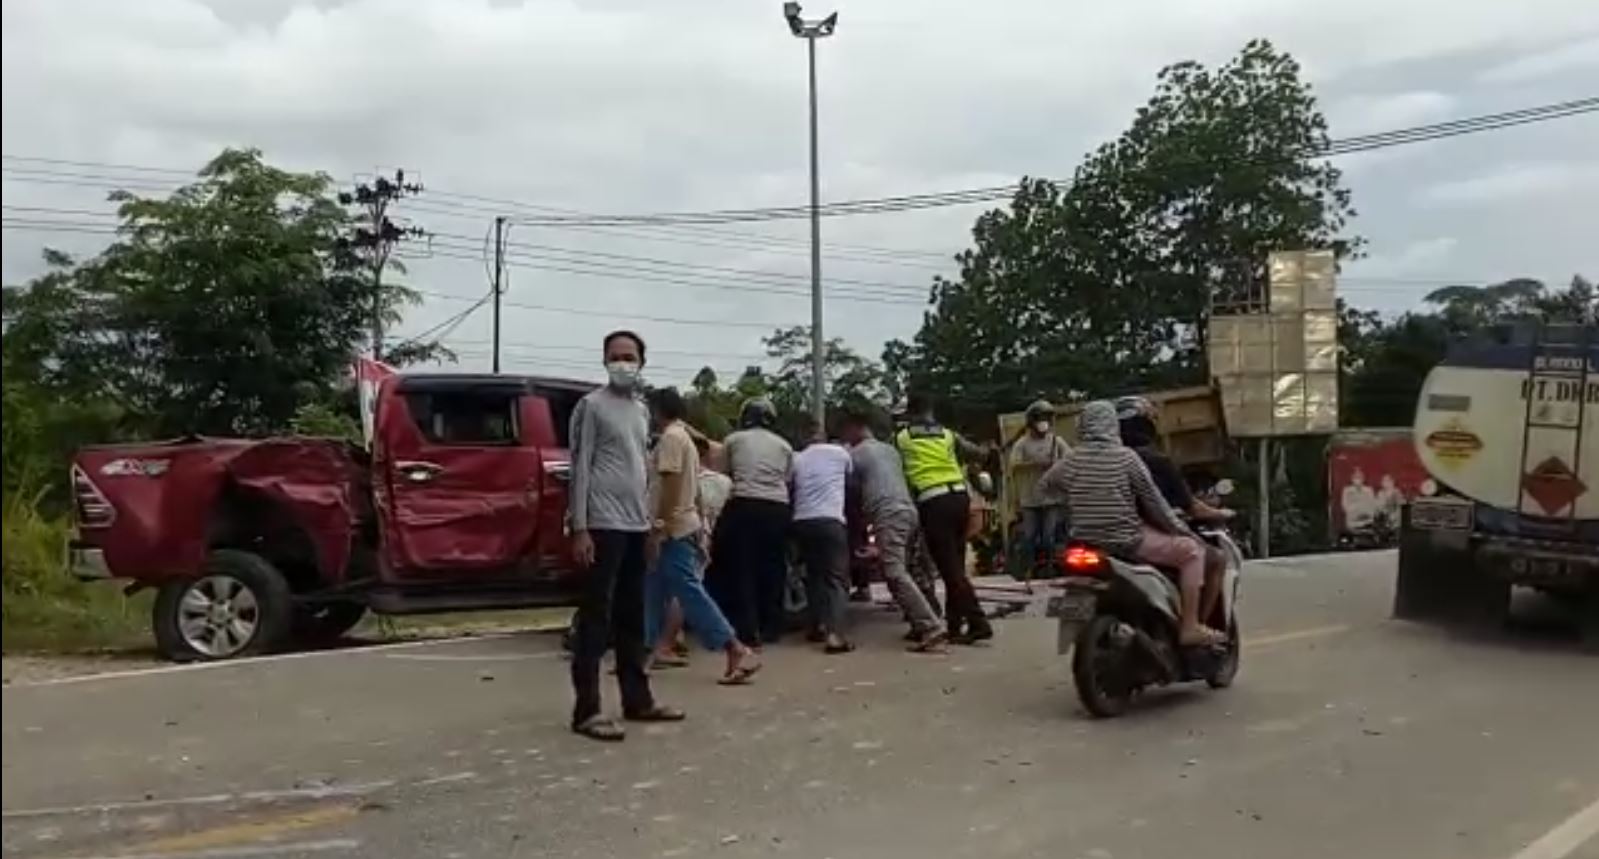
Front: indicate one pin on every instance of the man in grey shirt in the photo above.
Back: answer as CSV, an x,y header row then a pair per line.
x,y
610,523
887,505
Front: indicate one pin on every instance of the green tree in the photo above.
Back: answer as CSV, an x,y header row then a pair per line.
x,y
1105,284
224,308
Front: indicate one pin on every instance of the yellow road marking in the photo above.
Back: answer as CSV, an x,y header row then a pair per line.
x,y
248,831
1295,635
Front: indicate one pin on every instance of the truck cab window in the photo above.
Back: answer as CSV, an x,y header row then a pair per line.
x,y
465,417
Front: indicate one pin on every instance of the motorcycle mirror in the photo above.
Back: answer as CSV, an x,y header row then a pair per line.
x,y
1224,487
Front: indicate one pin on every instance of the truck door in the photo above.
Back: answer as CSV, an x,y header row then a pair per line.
x,y
459,487
546,419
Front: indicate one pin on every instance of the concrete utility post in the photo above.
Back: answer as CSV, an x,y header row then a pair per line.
x,y
810,31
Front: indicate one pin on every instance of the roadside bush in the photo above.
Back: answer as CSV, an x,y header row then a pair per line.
x,y
44,608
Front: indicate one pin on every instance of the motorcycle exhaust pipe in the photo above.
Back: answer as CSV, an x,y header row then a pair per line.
x,y
1162,657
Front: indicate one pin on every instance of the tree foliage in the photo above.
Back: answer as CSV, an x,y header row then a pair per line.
x,y
853,381
222,308
1105,283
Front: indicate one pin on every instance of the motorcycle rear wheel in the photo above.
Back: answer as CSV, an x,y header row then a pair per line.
x,y
1227,669
1095,655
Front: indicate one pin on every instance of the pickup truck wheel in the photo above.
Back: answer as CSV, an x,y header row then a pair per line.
x,y
324,623
239,605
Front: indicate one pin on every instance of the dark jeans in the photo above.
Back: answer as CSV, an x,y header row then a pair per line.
x,y
612,610
824,546
750,572
944,527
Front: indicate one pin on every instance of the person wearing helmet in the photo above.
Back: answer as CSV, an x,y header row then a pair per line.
x,y
750,566
1112,503
1137,417
1033,452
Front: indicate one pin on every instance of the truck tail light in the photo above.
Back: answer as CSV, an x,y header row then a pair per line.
x,y
90,505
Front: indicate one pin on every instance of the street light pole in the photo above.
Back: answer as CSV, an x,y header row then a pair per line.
x,y
818,343
810,31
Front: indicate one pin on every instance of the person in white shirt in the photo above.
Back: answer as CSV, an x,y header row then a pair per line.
x,y
821,472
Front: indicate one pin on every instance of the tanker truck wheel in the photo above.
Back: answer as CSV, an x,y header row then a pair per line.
x,y
1588,620
1421,588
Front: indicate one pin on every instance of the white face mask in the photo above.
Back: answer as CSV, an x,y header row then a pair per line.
x,y
623,374
1041,427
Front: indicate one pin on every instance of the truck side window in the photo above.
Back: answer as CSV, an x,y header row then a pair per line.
x,y
469,418
562,403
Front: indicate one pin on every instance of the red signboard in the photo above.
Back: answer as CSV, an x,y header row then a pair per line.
x,y
1370,474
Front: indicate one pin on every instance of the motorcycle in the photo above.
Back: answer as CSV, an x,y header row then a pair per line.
x,y
1119,620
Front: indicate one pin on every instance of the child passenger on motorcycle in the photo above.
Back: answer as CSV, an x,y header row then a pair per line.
x,y
1113,503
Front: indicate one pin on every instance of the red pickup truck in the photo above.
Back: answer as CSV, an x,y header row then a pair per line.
x,y
255,545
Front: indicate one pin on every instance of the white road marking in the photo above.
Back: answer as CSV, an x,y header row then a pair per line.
x,y
326,792
245,852
1563,840
469,657
257,660
446,779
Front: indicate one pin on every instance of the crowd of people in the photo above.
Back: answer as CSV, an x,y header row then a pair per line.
x,y
685,537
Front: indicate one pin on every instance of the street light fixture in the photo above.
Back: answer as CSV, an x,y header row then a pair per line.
x,y
810,31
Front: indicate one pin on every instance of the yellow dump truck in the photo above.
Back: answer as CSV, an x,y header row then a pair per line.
x,y
1193,433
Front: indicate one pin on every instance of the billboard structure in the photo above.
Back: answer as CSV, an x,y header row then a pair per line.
x,y
1274,355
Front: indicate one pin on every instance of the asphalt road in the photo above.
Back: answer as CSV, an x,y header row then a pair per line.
x,y
1347,735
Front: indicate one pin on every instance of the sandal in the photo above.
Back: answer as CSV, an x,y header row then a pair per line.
x,y
933,642
656,713
671,660
602,728
1207,638
743,675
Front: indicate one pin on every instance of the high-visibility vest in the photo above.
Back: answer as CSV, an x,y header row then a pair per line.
x,y
930,458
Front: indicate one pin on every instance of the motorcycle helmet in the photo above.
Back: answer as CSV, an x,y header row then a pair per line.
x,y
1136,415
757,412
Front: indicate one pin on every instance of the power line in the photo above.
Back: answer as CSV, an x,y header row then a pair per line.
x,y
911,202
746,272
883,205
646,274
622,315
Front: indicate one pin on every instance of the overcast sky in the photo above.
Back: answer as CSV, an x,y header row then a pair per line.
x,y
646,105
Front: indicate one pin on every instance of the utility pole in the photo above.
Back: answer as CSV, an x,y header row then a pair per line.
x,y
810,31
377,235
499,272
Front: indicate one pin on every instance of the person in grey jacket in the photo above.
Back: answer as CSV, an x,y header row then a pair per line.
x,y
1113,503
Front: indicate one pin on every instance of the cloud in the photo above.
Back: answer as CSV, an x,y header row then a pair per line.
x,y
1370,112
1571,57
640,105
1517,180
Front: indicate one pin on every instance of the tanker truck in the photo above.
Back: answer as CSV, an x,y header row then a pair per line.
x,y
1507,428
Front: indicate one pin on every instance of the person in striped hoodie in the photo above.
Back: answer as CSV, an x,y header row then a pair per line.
x,y
1113,504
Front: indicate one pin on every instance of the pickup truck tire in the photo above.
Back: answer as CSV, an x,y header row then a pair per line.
x,y
325,623
239,605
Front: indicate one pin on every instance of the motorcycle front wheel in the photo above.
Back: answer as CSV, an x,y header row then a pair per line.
x,y
1101,669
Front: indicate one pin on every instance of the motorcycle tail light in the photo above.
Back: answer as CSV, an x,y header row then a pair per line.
x,y
1083,560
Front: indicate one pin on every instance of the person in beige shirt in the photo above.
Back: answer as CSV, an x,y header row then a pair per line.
x,y
675,543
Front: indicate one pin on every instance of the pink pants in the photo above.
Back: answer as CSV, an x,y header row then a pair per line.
x,y
1167,550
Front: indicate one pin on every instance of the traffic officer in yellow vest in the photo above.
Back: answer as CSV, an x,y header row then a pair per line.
x,y
932,455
